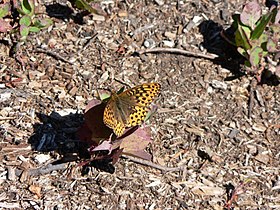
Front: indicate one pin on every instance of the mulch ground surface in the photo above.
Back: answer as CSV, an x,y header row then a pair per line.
x,y
230,154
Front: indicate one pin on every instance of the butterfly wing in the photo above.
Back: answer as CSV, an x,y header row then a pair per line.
x,y
130,107
112,117
143,96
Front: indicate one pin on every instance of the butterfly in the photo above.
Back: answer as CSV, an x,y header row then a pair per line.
x,y
129,108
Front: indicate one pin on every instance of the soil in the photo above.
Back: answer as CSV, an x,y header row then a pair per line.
x,y
211,120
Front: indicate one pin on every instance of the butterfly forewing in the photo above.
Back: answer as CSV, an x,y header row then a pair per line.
x,y
130,107
112,117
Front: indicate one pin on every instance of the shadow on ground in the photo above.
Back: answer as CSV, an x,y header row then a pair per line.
x,y
64,12
59,134
229,58
214,43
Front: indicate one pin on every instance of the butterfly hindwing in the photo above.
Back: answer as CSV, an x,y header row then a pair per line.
x,y
130,107
137,117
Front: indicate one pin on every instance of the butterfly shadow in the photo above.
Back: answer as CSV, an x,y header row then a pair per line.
x,y
59,134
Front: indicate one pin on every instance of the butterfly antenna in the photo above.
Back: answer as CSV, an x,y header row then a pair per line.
x,y
123,83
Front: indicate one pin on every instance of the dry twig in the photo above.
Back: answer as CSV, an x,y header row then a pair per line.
x,y
53,54
251,97
44,170
177,51
154,165
87,43
7,118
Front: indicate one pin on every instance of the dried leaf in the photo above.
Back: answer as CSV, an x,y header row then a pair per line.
x,y
4,26
251,14
135,143
36,190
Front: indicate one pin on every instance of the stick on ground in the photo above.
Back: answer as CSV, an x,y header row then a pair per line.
x,y
177,51
154,165
53,54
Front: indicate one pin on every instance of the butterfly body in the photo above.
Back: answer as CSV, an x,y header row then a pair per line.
x,y
130,107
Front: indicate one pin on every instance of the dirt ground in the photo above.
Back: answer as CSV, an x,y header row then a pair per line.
x,y
202,121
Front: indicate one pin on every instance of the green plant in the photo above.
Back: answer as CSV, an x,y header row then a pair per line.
x,y
257,38
27,21
84,5
4,11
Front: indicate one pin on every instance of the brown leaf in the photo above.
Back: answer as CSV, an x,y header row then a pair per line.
x,y
5,26
35,190
135,143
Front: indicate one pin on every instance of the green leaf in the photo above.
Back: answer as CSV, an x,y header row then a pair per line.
x,y
81,4
247,32
43,23
275,28
247,63
251,14
257,32
47,22
104,96
261,42
34,29
271,45
265,53
236,21
256,55
24,31
276,15
263,38
25,20
27,7
4,10
243,52
242,36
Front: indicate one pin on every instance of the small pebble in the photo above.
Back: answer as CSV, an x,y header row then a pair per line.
x,y
149,43
259,127
167,43
194,22
42,158
159,2
219,85
233,133
5,96
170,35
